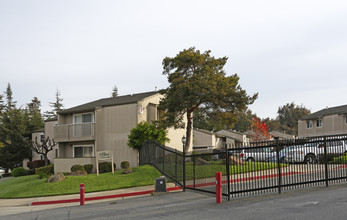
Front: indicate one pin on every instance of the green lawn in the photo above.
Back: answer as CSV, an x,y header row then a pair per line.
x,y
206,171
32,186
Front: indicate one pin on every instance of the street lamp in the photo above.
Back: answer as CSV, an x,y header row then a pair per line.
x,y
184,141
184,163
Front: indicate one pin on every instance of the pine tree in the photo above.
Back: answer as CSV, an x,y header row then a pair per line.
x,y
56,106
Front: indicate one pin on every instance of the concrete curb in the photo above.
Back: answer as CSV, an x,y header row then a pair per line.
x,y
148,192
121,195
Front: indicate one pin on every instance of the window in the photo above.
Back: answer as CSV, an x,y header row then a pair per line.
x,y
83,151
319,123
56,153
346,120
83,118
309,124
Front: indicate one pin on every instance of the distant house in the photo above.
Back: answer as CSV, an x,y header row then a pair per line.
x,y
328,121
104,125
47,131
234,138
281,135
204,139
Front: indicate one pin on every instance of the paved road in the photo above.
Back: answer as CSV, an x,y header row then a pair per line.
x,y
314,203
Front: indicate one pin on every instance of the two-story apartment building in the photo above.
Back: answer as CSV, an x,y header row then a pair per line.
x,y
104,125
328,121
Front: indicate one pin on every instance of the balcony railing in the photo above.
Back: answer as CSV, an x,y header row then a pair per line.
x,y
74,132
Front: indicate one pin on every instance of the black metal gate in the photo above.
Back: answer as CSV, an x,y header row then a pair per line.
x,y
259,167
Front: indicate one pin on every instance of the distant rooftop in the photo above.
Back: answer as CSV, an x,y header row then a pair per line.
x,y
339,110
119,100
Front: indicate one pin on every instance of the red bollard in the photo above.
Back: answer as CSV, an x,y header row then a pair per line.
x,y
218,187
82,197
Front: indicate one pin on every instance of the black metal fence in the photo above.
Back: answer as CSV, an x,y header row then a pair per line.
x,y
167,160
259,167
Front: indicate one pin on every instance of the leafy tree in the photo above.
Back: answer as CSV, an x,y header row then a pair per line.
x,y
43,147
144,132
260,130
114,91
57,106
198,81
288,116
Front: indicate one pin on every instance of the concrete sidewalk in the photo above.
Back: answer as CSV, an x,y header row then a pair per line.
x,y
13,206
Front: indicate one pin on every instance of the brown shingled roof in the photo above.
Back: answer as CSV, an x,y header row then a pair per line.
x,y
339,110
119,100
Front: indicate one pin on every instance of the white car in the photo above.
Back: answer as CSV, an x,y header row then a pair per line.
x,y
2,171
308,153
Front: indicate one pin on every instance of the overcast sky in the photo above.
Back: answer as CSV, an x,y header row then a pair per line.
x,y
287,51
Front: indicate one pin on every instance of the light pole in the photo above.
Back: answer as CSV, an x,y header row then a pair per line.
x,y
184,162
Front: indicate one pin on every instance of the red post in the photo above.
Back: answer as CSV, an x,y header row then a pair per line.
x,y
82,196
218,187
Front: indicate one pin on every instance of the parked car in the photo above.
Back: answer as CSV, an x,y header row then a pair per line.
x,y
2,171
308,153
282,155
254,154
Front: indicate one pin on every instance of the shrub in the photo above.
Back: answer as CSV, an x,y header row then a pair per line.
x,y
339,160
329,159
88,168
45,171
202,156
76,168
19,171
124,164
105,167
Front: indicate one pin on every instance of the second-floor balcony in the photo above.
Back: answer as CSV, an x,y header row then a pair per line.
x,y
74,132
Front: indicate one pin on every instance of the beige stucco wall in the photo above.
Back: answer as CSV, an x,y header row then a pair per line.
x,y
332,124
113,125
175,135
203,139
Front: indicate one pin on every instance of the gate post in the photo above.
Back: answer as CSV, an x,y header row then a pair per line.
x,y
218,187
227,169
278,165
326,162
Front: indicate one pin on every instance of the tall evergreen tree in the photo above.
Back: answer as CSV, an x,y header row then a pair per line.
x,y
56,106
32,117
12,130
198,81
114,91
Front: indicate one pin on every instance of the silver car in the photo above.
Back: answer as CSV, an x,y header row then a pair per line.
x,y
254,154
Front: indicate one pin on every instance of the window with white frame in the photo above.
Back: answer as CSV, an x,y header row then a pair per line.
x,y
319,123
83,151
309,124
83,118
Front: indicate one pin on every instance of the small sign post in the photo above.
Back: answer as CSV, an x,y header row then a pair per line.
x,y
103,155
